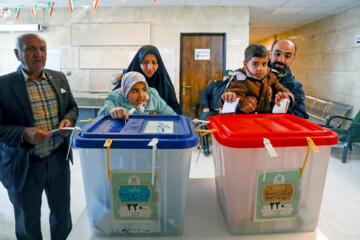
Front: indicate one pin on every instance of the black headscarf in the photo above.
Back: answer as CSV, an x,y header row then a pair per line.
x,y
160,80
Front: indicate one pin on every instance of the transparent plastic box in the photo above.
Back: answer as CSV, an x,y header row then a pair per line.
x,y
137,199
263,194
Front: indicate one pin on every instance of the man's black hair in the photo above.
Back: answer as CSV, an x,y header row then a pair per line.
x,y
255,50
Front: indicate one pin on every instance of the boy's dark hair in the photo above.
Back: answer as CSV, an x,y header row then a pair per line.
x,y
255,50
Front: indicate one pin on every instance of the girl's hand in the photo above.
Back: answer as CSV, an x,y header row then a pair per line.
x,y
118,113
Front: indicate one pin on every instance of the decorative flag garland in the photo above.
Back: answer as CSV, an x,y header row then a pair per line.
x,y
17,13
4,11
33,10
96,2
51,7
71,6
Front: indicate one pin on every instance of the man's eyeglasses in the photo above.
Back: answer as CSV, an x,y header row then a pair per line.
x,y
287,55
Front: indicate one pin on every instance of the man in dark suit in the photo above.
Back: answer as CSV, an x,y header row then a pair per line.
x,y
33,101
210,99
282,55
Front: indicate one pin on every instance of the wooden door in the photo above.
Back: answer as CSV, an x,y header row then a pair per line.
x,y
202,58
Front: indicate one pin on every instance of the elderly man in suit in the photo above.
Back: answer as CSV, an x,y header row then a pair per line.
x,y
33,101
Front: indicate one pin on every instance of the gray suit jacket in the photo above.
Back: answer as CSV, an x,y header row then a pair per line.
x,y
16,114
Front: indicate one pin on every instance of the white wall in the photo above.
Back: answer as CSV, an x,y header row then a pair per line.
x,y
328,60
95,45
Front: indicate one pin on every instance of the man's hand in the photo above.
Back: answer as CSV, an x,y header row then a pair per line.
x,y
206,110
248,105
35,135
65,123
118,113
228,97
280,96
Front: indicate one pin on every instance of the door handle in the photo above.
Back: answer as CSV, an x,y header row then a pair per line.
x,y
185,87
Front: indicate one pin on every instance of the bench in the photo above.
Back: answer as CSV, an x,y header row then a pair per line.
x,y
319,110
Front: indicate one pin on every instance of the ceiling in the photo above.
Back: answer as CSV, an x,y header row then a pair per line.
x,y
267,17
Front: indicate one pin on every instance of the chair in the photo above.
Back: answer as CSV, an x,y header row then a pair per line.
x,y
338,109
347,136
317,114
309,103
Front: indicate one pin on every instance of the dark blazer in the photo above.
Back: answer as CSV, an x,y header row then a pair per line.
x,y
16,114
296,88
211,94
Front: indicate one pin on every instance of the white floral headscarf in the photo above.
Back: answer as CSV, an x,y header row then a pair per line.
x,y
129,80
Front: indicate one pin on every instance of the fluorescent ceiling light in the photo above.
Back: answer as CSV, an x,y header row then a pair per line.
x,y
21,28
286,11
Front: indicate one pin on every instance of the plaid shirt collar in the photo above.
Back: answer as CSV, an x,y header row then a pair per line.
x,y
26,77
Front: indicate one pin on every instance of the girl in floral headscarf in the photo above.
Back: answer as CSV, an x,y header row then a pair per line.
x,y
134,97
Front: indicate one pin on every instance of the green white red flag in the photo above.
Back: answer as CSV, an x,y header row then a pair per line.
x,y
51,7
96,2
71,6
17,13
33,10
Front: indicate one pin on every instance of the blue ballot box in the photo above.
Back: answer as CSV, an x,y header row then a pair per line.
x,y
131,187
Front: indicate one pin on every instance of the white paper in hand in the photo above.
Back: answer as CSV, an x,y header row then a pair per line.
x,y
284,105
230,107
65,128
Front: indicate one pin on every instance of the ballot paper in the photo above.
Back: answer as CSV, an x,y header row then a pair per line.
x,y
284,105
230,107
65,128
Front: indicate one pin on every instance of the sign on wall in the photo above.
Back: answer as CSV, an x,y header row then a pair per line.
x,y
202,54
357,39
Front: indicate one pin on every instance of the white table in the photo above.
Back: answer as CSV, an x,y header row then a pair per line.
x,y
203,220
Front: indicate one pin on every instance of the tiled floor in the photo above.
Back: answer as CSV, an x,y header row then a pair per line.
x,y
339,215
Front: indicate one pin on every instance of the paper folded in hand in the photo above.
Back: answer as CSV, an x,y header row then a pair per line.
x,y
230,107
65,128
284,105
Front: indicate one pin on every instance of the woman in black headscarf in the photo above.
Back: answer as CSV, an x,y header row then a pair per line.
x,y
148,62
